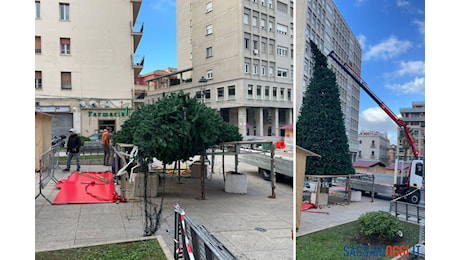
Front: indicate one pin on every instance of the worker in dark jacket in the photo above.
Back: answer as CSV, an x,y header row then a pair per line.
x,y
73,149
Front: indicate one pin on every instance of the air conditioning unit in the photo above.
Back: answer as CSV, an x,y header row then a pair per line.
x,y
256,52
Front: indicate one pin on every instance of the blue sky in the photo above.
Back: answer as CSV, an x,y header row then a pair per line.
x,y
392,37
158,43
391,33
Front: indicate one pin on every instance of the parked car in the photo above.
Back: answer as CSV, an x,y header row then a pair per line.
x,y
95,137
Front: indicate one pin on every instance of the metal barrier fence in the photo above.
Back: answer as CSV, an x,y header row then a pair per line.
x,y
195,241
408,210
48,163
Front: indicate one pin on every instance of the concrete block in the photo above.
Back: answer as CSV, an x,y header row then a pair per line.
x,y
153,182
322,199
355,195
196,170
236,183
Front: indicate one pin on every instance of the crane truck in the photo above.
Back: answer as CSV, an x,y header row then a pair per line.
x,y
411,185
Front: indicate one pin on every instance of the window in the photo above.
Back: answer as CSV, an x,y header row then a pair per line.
x,y
220,94
250,91
231,92
209,29
282,51
262,23
37,9
66,80
282,7
270,26
282,73
65,45
259,92
38,44
64,11
274,96
246,43
270,71
255,69
246,19
208,52
254,21
208,7
38,80
267,92
264,70
246,67
289,94
282,94
209,74
281,29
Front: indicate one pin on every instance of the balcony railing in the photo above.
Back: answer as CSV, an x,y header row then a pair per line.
x,y
137,31
136,7
138,64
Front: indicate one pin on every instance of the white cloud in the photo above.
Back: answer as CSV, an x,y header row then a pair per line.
x,y
421,26
416,86
411,68
402,3
406,6
163,5
359,3
362,41
387,49
375,118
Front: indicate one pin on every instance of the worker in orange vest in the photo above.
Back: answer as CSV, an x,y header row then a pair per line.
x,y
106,145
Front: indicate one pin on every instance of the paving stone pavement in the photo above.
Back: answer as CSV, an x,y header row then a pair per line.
x,y
233,218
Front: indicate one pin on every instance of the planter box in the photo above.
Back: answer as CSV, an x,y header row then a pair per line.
x,y
355,195
322,199
153,182
236,183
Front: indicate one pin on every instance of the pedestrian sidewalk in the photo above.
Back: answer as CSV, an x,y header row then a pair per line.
x,y
251,226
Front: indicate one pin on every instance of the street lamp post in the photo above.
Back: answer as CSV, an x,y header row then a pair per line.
x,y
203,83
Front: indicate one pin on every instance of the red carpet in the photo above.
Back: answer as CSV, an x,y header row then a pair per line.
x,y
87,187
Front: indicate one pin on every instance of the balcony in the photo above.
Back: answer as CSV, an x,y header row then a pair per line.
x,y
136,7
137,31
138,64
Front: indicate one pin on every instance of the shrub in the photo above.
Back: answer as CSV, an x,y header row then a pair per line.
x,y
380,226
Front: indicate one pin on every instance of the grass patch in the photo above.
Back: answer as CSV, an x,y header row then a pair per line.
x,y
329,243
147,249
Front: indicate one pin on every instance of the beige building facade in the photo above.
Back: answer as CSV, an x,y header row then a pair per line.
x,y
242,51
85,62
321,22
414,117
374,146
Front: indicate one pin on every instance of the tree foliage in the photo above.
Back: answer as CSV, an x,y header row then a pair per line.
x,y
176,127
320,126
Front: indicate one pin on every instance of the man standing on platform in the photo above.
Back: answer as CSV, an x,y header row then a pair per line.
x,y
106,145
73,149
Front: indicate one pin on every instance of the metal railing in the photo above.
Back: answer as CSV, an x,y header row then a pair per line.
x,y
48,163
195,241
408,210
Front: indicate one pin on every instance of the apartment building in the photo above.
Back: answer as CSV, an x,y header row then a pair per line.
x,y
414,117
237,56
374,146
321,22
85,62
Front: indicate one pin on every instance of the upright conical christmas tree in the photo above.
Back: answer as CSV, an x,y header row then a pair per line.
x,y
320,126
